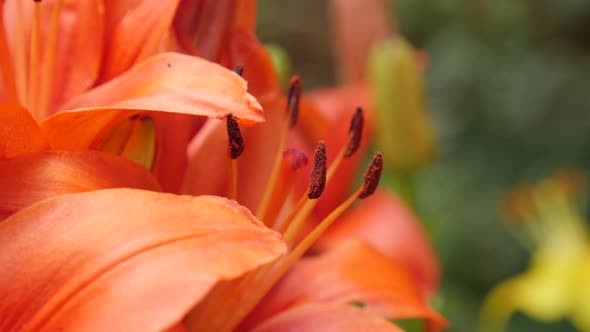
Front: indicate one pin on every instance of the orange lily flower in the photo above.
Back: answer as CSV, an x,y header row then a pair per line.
x,y
207,144
74,57
175,262
83,296
380,292
171,262
322,114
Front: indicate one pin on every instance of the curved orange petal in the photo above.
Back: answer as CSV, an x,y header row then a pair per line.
x,y
30,178
245,50
79,49
386,222
352,272
224,31
168,82
262,143
208,161
203,26
326,318
122,259
19,132
173,134
245,15
135,31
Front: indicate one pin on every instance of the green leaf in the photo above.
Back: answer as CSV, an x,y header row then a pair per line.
x,y
410,325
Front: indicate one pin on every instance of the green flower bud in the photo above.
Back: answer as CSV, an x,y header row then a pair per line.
x,y
404,130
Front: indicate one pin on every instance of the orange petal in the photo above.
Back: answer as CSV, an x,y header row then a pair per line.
x,y
386,222
245,50
168,82
255,165
79,49
135,31
30,178
122,259
355,34
352,272
203,25
173,134
208,158
245,15
326,318
293,162
19,132
224,31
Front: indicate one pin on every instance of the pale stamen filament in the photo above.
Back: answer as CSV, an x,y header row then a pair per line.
x,y
20,55
6,65
289,119
33,90
50,52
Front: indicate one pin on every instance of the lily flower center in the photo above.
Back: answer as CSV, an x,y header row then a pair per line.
x,y
241,296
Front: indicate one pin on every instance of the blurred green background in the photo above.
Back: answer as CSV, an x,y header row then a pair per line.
x,y
509,86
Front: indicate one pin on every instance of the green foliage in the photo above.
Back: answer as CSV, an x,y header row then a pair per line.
x,y
410,325
510,93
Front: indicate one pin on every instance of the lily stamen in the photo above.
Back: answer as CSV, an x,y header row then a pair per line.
x,y
304,207
268,276
239,70
236,148
293,100
293,161
20,55
290,120
241,295
33,91
50,53
355,134
316,188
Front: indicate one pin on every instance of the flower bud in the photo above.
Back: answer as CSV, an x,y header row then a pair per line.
x,y
404,129
133,139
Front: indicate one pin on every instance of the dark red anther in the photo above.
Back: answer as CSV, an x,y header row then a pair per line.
x,y
236,142
293,100
372,176
239,70
318,175
296,158
355,132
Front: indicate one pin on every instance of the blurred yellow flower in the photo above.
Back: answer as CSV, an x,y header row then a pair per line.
x,y
547,218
